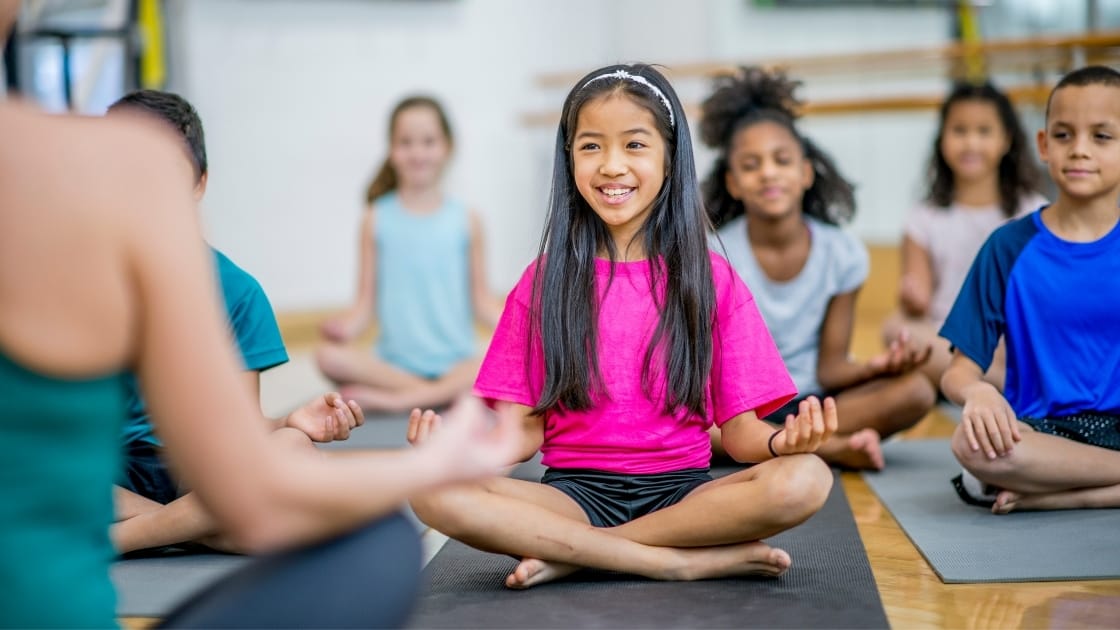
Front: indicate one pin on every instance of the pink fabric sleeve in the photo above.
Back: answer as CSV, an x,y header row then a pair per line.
x,y
509,372
747,369
918,225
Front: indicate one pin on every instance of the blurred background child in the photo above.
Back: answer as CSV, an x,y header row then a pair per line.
x,y
422,272
778,202
981,173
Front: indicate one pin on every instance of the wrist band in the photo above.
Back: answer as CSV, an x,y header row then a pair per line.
x,y
770,443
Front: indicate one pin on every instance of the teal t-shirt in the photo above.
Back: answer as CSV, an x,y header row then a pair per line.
x,y
252,323
58,445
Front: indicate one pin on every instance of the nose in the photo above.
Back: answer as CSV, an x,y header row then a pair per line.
x,y
1080,145
613,164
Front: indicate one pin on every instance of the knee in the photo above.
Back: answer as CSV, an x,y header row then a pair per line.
x,y
445,510
920,394
326,356
799,488
976,461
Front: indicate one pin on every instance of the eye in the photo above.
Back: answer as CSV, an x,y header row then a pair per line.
x,y
1059,135
634,144
1103,136
588,146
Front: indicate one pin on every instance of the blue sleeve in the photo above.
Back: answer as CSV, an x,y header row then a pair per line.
x,y
977,319
251,319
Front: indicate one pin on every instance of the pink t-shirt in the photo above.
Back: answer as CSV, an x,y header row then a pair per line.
x,y
627,431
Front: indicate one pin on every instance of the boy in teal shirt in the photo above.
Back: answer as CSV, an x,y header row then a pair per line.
x,y
151,510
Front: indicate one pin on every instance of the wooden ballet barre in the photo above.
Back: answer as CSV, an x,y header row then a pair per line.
x,y
994,52
1034,95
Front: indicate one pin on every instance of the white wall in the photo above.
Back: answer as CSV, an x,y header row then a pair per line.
x,y
295,95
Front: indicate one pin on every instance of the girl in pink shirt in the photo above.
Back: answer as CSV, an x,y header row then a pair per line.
x,y
617,350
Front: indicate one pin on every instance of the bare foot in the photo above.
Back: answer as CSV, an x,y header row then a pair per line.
x,y
1006,501
861,450
704,563
531,572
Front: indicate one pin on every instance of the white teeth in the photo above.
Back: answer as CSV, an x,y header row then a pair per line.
x,y
615,192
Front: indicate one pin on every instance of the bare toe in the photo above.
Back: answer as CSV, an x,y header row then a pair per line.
x,y
531,572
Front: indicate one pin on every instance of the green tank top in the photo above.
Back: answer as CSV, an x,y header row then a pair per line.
x,y
60,452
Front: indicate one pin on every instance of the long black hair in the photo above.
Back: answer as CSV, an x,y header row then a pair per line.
x,y
745,98
1018,173
564,309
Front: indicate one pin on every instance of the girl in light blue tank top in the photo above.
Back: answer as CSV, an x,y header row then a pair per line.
x,y
420,277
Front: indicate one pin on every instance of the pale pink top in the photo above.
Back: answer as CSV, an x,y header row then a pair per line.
x,y
627,431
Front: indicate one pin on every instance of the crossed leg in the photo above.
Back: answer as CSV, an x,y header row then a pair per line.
x,y
1045,472
144,524
378,385
712,532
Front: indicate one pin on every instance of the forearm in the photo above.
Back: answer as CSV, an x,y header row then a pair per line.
x,y
957,382
747,442
304,497
842,374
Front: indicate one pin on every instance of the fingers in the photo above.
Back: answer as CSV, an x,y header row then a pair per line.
x,y
413,426
831,419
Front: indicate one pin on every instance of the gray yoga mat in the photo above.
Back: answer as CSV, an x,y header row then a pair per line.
x,y
151,585
380,431
965,543
829,585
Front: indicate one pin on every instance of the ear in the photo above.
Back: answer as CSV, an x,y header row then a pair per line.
x,y
731,185
200,187
808,175
1043,146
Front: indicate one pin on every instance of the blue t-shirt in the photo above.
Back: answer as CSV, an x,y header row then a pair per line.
x,y
252,324
1056,304
423,286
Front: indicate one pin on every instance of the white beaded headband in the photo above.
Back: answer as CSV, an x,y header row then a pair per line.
x,y
623,75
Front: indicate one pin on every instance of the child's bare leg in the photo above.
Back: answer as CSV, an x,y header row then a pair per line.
x,y
922,333
1046,472
346,365
751,504
861,450
127,504
421,393
544,526
182,520
887,404
742,507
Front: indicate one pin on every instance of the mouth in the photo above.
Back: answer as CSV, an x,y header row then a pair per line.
x,y
615,195
1076,172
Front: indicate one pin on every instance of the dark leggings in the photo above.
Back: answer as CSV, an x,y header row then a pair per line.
x,y
366,579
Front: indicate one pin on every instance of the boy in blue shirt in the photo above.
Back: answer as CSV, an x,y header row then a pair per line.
x,y
150,510
1050,283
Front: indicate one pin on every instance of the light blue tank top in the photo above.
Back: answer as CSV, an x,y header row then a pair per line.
x,y
60,452
423,280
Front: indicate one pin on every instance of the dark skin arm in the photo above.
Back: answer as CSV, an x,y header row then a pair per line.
x,y
835,368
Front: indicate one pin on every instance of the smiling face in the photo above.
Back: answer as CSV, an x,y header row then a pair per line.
x,y
767,170
1081,142
419,148
618,163
973,140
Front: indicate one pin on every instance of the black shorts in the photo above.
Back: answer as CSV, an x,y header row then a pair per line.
x,y
1097,429
778,416
611,499
146,474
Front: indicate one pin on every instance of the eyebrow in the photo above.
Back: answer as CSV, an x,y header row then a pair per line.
x,y
628,132
1095,125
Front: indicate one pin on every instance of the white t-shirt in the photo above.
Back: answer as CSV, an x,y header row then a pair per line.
x,y
951,237
794,310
